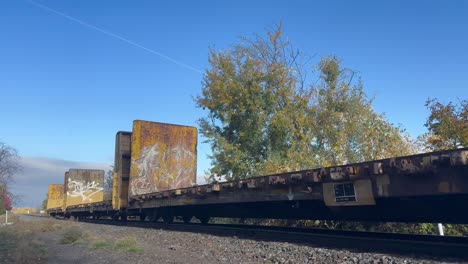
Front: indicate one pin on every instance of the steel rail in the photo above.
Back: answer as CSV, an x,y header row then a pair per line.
x,y
402,244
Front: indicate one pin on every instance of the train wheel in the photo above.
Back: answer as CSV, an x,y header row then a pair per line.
x,y
154,216
142,217
187,219
168,219
204,219
123,217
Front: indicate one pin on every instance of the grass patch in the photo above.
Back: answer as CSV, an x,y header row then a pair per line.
x,y
29,251
18,244
128,244
50,225
102,244
8,242
75,235
72,235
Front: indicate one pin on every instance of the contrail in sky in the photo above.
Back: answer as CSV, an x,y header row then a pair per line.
x,y
116,36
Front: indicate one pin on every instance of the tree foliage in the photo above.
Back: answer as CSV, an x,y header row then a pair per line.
x,y
347,128
44,202
109,179
447,125
9,166
263,116
8,163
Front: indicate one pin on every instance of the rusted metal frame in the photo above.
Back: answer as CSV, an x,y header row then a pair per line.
x,y
121,170
252,183
422,164
268,193
92,209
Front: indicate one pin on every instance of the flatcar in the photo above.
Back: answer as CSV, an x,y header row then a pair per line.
x,y
155,176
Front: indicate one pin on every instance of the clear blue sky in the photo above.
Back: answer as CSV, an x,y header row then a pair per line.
x,y
66,88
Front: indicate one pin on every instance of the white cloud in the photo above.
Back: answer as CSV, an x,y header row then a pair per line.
x,y
38,172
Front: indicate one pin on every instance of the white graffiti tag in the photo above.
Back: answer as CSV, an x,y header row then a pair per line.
x,y
85,191
174,175
146,165
168,168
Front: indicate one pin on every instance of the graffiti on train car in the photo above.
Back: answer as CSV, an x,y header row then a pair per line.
x,y
84,186
164,157
83,190
170,168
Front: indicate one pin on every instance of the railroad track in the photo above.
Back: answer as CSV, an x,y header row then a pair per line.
x,y
403,244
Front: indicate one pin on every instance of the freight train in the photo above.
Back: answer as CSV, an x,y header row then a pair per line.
x,y
155,178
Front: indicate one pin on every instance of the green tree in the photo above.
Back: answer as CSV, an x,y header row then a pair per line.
x,y
251,93
44,202
347,128
109,179
263,117
447,125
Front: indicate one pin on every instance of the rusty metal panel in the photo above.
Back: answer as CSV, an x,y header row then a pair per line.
x,y
55,196
84,186
115,191
436,174
359,193
121,169
123,141
119,192
64,191
164,157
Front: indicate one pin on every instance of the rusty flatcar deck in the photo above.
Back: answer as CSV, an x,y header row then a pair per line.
x,y
426,187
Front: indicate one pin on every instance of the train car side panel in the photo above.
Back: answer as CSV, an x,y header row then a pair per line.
x,y
84,186
55,196
164,157
121,170
64,189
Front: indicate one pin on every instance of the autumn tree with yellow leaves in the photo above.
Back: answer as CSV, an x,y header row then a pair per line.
x,y
447,125
265,116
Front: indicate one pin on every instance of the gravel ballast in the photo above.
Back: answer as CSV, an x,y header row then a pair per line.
x,y
162,246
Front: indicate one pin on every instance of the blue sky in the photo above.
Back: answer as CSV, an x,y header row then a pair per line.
x,y
66,88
